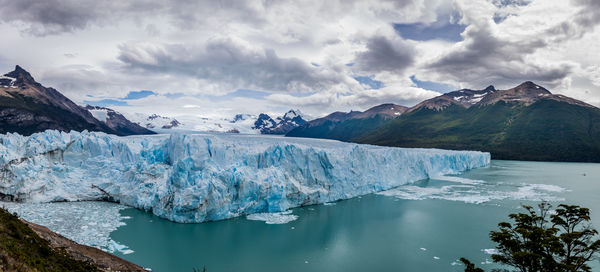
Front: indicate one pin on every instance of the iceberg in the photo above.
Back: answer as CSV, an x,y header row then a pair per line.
x,y
203,177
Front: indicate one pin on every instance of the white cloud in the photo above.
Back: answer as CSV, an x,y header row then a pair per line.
x,y
207,48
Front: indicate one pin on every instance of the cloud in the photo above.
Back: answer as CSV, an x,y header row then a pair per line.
x,y
230,64
242,56
51,17
385,55
483,59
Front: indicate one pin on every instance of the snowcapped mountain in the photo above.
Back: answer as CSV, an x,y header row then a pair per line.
x,y
154,121
157,121
116,120
280,125
26,107
239,123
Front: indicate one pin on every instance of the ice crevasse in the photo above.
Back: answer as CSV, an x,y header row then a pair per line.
x,y
203,177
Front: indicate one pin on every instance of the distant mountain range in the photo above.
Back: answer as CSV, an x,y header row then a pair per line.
x,y
348,126
27,107
155,121
240,123
526,122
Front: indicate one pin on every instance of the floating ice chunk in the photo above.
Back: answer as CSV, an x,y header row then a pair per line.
x,y
490,251
459,180
116,247
274,218
424,249
436,257
477,192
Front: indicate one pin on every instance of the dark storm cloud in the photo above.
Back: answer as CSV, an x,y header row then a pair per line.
x,y
230,64
58,16
582,23
485,59
383,54
589,16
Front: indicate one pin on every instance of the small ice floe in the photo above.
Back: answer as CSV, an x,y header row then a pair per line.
x,y
116,247
436,257
424,249
274,218
457,262
490,251
459,180
476,191
329,203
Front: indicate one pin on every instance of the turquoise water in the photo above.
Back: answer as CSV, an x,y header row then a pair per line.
x,y
414,228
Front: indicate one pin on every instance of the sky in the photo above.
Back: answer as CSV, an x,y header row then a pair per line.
x,y
216,58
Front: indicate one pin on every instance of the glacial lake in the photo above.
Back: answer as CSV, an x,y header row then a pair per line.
x,y
425,226
422,227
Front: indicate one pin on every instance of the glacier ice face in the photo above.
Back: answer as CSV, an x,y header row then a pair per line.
x,y
201,177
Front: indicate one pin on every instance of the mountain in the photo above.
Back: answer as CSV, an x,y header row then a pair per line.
x,y
117,121
281,125
154,121
347,126
27,107
526,122
464,98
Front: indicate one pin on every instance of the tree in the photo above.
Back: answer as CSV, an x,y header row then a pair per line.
x,y
546,240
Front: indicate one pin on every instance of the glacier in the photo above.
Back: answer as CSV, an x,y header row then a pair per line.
x,y
192,178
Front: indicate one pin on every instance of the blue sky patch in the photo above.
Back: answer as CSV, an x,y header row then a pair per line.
x,y
369,81
106,103
422,32
138,94
433,86
241,93
174,95
445,28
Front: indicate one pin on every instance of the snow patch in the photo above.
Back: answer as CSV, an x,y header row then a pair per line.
x,y
100,114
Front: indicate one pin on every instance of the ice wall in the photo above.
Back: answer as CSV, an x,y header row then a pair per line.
x,y
201,177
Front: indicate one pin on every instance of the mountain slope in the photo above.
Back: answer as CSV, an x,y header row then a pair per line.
x,y
524,123
27,107
117,121
347,126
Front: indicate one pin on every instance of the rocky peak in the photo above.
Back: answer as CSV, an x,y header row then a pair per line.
x,y
264,121
527,92
291,114
490,88
21,76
